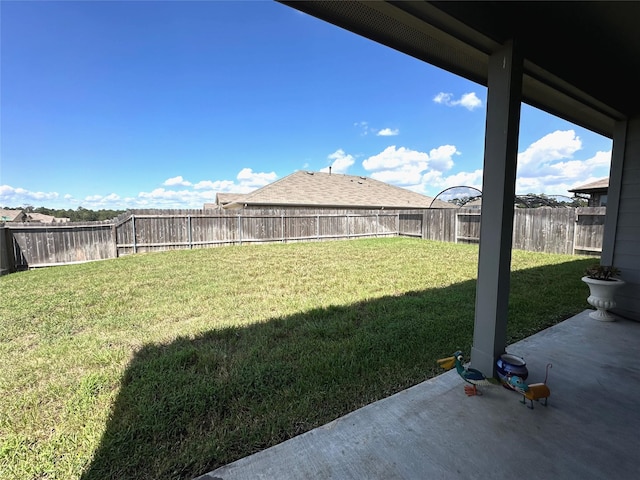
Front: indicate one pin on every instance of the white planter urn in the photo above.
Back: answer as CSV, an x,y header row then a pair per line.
x,y
602,297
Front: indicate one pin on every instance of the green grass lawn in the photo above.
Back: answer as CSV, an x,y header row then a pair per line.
x,y
168,365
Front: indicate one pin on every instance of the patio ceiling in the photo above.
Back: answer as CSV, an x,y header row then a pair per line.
x,y
582,59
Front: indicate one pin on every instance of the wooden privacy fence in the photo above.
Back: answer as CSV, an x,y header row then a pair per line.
x,y
551,230
144,232
31,245
560,230
26,245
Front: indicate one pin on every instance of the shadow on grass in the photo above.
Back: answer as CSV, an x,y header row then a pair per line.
x,y
193,405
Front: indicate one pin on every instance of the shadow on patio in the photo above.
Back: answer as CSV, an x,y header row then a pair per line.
x,y
172,395
589,430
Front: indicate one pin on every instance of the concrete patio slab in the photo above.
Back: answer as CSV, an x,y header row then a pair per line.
x,y
589,430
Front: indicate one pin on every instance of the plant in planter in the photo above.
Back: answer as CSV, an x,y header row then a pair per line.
x,y
603,283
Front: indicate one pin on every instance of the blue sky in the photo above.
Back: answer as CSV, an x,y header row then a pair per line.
x,y
144,104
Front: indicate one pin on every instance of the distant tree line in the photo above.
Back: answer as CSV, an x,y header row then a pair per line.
x,y
531,200
79,215
462,201
536,200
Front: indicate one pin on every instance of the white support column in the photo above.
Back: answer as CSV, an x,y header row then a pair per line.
x,y
498,193
613,193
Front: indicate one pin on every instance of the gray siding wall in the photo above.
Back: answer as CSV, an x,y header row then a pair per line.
x,y
626,253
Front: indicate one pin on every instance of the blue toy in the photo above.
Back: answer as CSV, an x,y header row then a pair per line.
x,y
533,391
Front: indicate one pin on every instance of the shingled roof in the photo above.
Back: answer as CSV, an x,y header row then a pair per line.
x,y
601,185
21,216
7,215
224,198
320,189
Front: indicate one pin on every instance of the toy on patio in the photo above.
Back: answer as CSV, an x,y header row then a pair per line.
x,y
533,391
473,377
509,365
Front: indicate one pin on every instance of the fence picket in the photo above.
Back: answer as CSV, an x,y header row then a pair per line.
x,y
567,230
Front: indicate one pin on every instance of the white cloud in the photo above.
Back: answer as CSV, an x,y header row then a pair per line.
x,y
443,98
6,190
366,129
392,157
201,192
387,132
433,182
405,175
550,148
219,185
173,193
250,179
406,167
161,193
441,158
14,197
96,202
549,165
170,182
466,179
363,126
341,162
99,198
600,160
470,101
176,198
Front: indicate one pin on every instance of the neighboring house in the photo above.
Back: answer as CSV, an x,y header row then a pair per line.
x,y
304,189
42,218
12,215
223,199
595,192
20,216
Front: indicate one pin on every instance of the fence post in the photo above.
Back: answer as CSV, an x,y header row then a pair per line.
x,y
240,228
133,229
189,232
455,228
114,235
282,230
575,232
8,260
318,227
